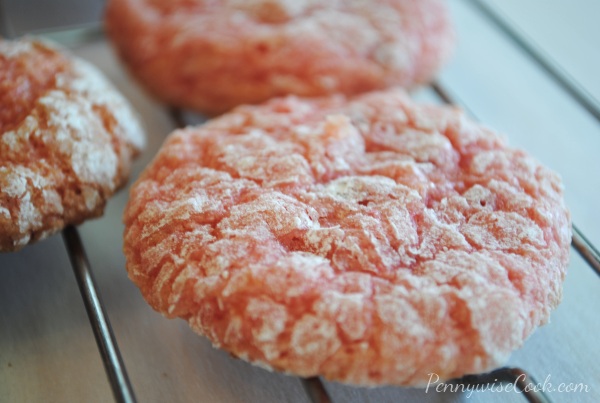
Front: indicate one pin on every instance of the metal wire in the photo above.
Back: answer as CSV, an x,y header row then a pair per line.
x,y
522,381
585,248
560,76
113,363
316,390
178,117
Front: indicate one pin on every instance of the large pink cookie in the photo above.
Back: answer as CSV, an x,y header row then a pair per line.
x,y
371,241
213,55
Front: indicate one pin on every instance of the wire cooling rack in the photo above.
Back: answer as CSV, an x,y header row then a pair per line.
x,y
315,389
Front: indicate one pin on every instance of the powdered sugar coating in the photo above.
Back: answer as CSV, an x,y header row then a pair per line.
x,y
67,139
371,241
213,55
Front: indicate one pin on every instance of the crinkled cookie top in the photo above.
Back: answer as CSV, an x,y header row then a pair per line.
x,y
371,241
67,139
212,55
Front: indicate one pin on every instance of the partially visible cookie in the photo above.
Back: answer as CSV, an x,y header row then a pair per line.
x,y
371,241
67,140
213,55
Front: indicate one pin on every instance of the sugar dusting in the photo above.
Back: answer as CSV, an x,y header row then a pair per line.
x,y
302,47
72,150
371,241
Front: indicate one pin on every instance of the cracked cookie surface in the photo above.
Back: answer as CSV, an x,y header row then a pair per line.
x,y
67,139
210,56
369,240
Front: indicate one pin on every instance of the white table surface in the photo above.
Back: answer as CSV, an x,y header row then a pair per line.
x,y
47,350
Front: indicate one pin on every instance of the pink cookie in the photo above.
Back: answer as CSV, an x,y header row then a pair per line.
x,y
67,140
213,55
370,241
